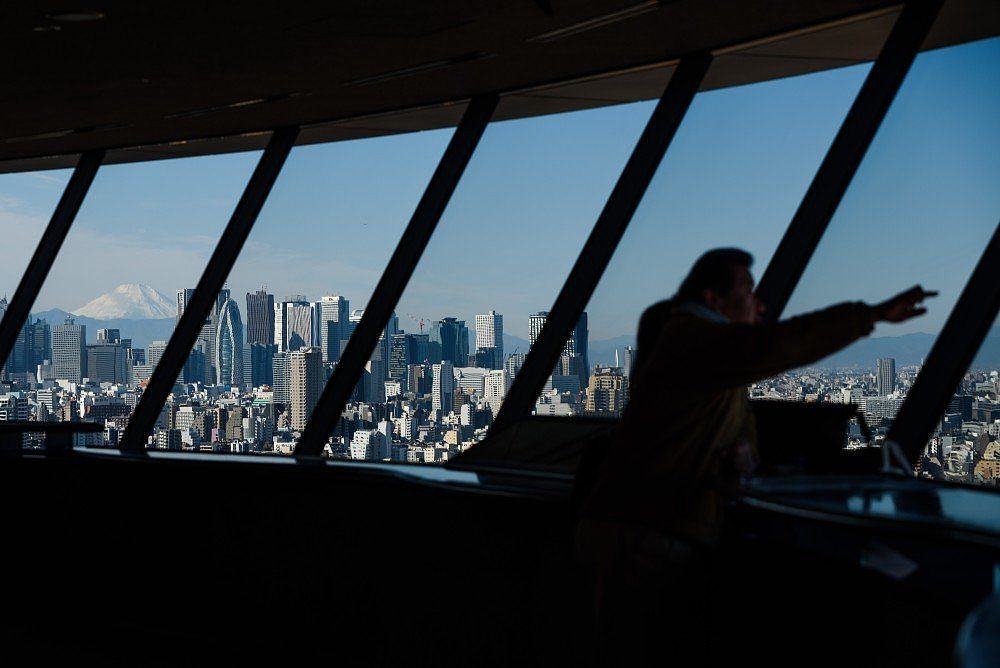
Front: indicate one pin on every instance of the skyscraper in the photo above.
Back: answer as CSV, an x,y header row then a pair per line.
x,y
282,375
334,314
399,359
293,323
106,362
260,317
69,351
885,377
628,361
229,345
575,355
206,338
154,351
443,387
262,364
489,340
453,336
306,381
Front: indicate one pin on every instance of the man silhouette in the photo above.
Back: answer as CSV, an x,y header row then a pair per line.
x,y
655,511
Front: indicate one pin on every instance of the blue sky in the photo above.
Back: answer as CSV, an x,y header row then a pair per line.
x,y
920,209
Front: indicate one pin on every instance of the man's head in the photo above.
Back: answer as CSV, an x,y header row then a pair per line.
x,y
721,280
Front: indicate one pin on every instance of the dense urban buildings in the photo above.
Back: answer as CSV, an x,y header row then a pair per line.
x,y
423,397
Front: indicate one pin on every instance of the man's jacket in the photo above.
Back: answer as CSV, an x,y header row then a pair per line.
x,y
688,408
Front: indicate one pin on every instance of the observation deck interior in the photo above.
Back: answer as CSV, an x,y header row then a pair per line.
x,y
162,558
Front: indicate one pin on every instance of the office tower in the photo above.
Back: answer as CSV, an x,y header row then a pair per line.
x,y
628,361
293,323
497,383
109,336
154,352
578,346
334,314
418,344
306,383
260,317
885,378
69,351
282,378
513,364
40,343
353,321
207,335
106,362
399,359
197,367
229,345
183,297
443,386
489,340
607,391
262,364
535,323
453,336
575,354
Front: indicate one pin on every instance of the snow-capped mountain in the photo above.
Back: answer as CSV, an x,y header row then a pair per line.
x,y
134,301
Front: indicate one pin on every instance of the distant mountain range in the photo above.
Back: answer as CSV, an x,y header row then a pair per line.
x,y
142,332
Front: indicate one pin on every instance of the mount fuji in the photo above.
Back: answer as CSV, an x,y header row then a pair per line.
x,y
129,301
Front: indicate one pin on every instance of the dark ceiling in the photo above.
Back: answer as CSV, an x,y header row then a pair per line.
x,y
155,79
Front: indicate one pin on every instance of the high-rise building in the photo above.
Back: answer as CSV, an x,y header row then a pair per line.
x,y
513,364
260,317
443,387
293,323
399,359
489,340
206,337
106,361
282,376
333,315
306,381
261,364
575,354
885,378
453,336
418,347
497,383
229,345
69,351
154,351
535,323
628,361
607,391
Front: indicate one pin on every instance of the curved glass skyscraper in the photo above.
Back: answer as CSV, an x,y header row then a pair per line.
x,y
229,345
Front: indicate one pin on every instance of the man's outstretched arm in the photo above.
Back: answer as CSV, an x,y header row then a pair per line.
x,y
742,354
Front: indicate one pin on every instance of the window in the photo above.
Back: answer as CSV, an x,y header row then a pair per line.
x,y
27,201
110,301
294,296
921,208
733,176
503,248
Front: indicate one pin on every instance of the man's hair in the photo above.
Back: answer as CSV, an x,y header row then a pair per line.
x,y
712,271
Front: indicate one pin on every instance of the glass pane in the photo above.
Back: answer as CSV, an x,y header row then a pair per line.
x,y
965,446
108,305
502,250
920,210
733,176
27,201
298,289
